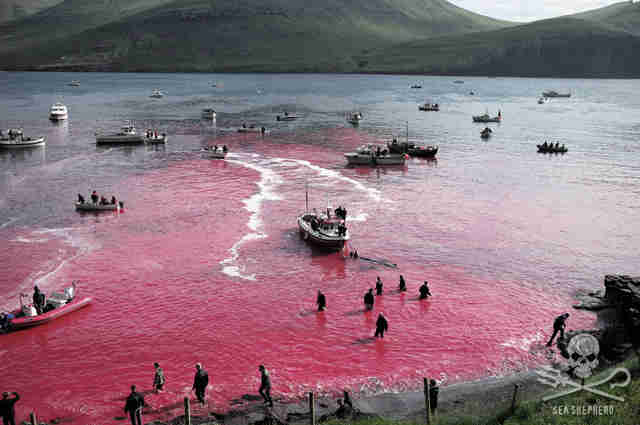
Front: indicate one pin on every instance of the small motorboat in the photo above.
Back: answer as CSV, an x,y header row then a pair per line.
x,y
216,152
14,138
551,148
209,113
553,93
153,137
127,135
58,112
354,118
56,305
416,86
486,133
422,151
429,107
458,82
487,118
96,206
157,94
74,83
543,100
286,117
252,129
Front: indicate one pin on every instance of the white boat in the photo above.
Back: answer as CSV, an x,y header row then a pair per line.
x,y
354,117
429,107
285,116
323,230
15,139
58,112
74,83
252,129
552,93
216,152
209,113
127,135
157,94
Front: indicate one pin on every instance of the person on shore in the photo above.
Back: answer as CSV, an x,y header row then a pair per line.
x,y
7,408
158,379
381,326
344,410
133,406
402,286
265,385
558,326
369,300
433,395
200,382
321,301
424,291
378,286
38,299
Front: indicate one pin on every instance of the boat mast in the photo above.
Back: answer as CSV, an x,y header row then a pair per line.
x,y
306,195
407,132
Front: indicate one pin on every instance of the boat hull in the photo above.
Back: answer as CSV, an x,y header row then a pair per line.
x,y
217,155
423,153
542,149
58,117
90,206
322,240
115,139
481,119
40,141
29,322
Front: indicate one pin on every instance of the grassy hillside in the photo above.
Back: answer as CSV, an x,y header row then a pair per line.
x,y
559,47
621,16
17,9
231,35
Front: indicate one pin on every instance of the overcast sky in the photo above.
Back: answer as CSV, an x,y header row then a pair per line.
x,y
530,10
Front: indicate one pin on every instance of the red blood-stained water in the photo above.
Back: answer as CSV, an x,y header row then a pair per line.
x,y
206,265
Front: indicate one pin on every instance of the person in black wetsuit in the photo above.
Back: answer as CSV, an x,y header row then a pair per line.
x,y
402,286
433,395
265,386
38,299
113,200
368,299
378,286
80,198
7,408
381,326
200,382
321,301
134,404
94,197
424,291
558,326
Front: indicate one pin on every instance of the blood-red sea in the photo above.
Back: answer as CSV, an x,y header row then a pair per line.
x,y
206,265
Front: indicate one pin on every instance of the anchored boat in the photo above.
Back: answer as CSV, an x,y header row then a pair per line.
x,y
58,112
14,138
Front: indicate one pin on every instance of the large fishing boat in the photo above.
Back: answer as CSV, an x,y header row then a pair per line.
x,y
56,305
323,230
375,155
422,151
58,112
127,135
15,139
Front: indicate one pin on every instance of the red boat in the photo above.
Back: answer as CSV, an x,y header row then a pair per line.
x,y
58,304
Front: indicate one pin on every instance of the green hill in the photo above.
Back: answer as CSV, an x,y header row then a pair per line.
x,y
621,16
11,10
226,35
561,47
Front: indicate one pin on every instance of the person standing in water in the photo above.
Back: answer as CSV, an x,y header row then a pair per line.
x,y
402,286
424,291
368,299
381,326
158,379
378,286
134,404
200,382
558,326
321,301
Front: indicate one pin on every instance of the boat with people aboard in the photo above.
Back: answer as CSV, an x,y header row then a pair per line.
x,y
252,129
128,135
552,148
153,137
354,117
416,86
421,151
58,112
50,308
429,107
487,118
486,133
324,230
14,138
553,93
74,83
98,203
216,152
373,155
286,116
209,113
157,94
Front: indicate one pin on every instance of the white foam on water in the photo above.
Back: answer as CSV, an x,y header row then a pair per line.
x,y
269,180
358,217
523,343
11,220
